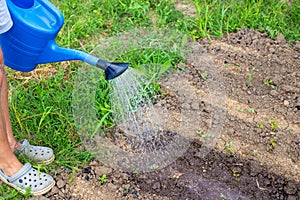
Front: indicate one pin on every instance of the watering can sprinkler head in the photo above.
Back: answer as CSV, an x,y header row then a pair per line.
x,y
113,70
31,40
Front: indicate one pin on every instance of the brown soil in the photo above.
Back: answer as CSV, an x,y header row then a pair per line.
x,y
256,156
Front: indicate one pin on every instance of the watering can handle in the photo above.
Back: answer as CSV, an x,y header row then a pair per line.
x,y
23,3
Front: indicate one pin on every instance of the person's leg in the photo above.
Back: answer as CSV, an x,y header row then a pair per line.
x,y
9,163
5,110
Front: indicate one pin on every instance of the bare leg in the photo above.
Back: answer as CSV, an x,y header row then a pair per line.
x,y
9,163
5,110
4,105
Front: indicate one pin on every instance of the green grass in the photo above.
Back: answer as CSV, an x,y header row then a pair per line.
x,y
217,17
41,105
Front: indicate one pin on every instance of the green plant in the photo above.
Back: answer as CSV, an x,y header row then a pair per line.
x,y
154,167
260,125
102,179
239,108
216,18
228,147
251,110
274,124
199,132
223,196
204,75
236,174
269,82
250,77
176,176
272,144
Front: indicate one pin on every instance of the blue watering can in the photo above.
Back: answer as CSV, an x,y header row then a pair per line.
x,y
31,40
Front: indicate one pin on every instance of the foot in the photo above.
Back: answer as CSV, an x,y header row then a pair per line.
x,y
28,178
37,154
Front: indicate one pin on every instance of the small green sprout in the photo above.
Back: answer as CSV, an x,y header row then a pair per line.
x,y
272,143
274,124
223,196
176,176
229,147
260,125
102,179
251,110
248,82
239,108
236,174
154,166
204,75
269,82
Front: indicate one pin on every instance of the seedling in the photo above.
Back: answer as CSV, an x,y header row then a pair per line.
x,y
127,189
269,83
248,82
260,125
102,179
176,176
229,147
251,110
136,172
154,166
204,75
203,135
223,196
239,108
236,174
272,144
255,151
274,124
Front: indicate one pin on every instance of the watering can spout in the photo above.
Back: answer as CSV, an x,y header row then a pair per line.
x,y
55,53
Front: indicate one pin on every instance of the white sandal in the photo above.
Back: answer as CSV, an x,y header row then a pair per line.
x,y
37,154
29,178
